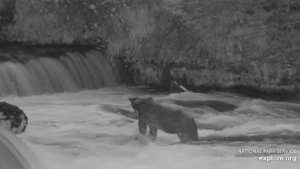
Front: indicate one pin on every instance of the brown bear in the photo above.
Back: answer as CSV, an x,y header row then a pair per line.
x,y
158,116
172,77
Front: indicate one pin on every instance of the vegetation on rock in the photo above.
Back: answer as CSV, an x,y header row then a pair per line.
x,y
221,42
251,42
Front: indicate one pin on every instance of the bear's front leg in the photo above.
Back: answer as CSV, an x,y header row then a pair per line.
x,y
153,133
142,127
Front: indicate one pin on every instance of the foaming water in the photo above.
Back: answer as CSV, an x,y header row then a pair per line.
x,y
15,154
69,73
73,131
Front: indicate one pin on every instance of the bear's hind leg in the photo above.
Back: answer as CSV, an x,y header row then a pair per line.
x,y
193,136
184,137
191,130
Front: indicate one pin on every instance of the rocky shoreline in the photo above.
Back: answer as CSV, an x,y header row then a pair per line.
x,y
197,78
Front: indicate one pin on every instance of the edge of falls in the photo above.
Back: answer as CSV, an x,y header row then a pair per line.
x,y
71,72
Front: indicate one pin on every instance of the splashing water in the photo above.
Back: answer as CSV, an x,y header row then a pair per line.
x,y
14,153
74,131
183,88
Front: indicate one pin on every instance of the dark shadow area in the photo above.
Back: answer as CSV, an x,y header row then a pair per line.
x,y
291,139
244,139
290,96
213,104
251,92
22,52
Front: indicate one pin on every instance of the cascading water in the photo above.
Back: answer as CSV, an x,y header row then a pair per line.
x,y
69,73
95,128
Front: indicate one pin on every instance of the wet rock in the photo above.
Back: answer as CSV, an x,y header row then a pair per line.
x,y
12,118
122,111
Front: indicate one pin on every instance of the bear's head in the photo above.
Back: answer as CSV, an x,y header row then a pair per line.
x,y
137,103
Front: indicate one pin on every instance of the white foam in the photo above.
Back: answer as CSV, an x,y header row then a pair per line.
x,y
70,131
14,154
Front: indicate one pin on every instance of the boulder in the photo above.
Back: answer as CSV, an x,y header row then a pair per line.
x,y
12,118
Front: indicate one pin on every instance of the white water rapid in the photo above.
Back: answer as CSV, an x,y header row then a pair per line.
x,y
81,131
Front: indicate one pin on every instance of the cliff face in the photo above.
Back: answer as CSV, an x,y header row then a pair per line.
x,y
255,43
249,42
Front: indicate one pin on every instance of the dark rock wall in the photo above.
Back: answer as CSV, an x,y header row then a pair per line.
x,y
252,43
7,11
23,52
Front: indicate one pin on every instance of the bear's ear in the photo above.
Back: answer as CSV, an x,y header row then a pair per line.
x,y
134,100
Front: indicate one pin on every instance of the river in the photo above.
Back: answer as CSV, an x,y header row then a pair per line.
x,y
81,131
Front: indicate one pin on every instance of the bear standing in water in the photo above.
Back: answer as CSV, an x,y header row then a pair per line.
x,y
157,116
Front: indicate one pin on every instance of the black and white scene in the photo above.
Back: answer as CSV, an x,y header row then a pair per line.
x,y
149,84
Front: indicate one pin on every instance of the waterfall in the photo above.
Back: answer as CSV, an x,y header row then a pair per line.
x,y
68,73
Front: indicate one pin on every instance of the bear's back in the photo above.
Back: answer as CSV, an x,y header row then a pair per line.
x,y
150,107
162,111
168,118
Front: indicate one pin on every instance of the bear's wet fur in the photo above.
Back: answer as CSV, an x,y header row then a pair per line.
x,y
169,120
